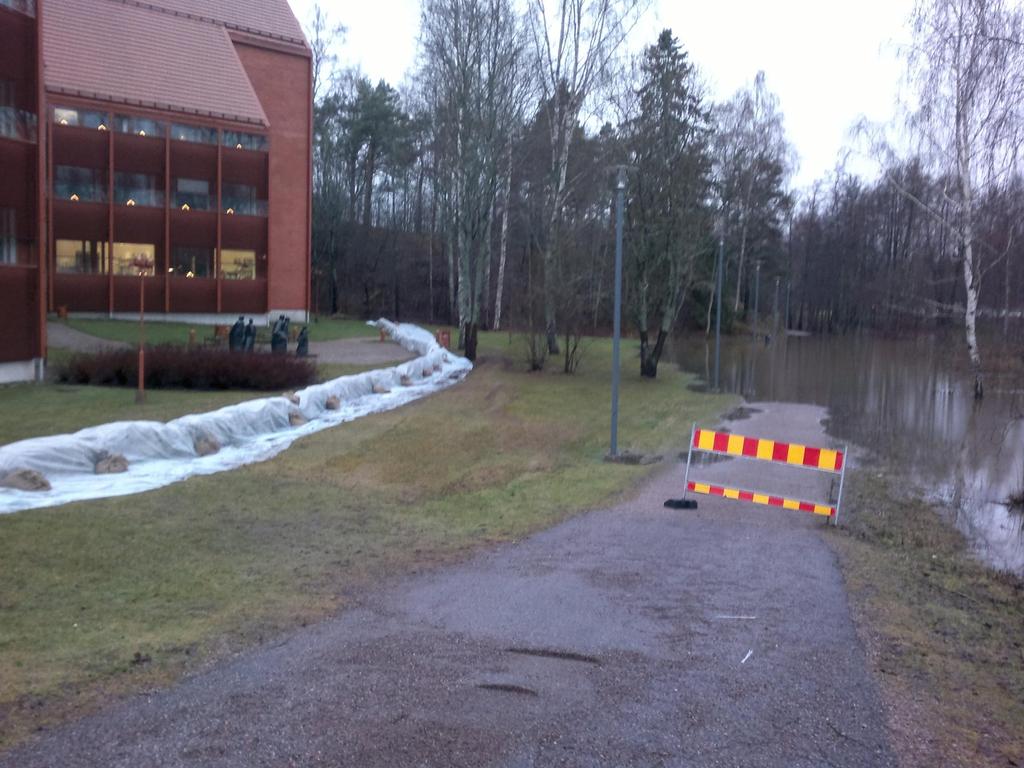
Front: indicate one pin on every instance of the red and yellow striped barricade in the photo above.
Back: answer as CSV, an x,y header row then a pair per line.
x,y
760,449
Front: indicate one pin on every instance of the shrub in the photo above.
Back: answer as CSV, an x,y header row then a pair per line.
x,y
176,367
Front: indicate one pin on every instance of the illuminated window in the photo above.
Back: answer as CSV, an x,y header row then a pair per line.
x,y
127,254
86,257
238,265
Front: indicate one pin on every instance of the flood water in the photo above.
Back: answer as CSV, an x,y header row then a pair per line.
x,y
909,401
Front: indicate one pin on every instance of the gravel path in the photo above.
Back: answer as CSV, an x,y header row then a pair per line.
x,y
632,636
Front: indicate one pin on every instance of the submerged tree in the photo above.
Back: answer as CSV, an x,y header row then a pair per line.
x,y
967,66
669,215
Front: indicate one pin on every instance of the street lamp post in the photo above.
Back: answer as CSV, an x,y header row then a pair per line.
x,y
143,265
620,194
719,268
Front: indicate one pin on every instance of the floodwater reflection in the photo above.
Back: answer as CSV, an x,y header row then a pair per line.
x,y
910,402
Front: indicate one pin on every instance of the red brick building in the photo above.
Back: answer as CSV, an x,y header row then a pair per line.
x,y
175,133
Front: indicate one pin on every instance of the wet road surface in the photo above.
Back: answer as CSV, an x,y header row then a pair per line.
x,y
633,636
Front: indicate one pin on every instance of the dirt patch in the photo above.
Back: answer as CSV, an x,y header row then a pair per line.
x,y
548,653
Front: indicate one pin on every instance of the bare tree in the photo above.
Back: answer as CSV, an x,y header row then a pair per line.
x,y
967,66
575,43
473,57
322,35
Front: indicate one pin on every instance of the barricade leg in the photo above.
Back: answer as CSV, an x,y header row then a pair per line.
x,y
689,454
842,477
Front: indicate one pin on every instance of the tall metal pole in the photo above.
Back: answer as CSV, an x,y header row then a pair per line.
x,y
620,189
718,309
757,294
140,393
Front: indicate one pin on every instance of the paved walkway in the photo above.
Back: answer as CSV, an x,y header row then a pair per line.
x,y
360,351
60,335
633,636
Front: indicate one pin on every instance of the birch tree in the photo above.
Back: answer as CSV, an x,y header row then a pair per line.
x,y
967,68
472,52
575,44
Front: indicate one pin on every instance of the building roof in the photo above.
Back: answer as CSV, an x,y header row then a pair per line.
x,y
128,53
268,18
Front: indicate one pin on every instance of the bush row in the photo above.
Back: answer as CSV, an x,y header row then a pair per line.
x,y
175,367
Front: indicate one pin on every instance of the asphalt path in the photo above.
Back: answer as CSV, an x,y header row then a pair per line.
x,y
631,636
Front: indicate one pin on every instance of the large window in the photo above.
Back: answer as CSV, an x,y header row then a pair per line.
x,y
82,256
15,123
138,189
241,199
81,117
238,265
240,140
126,256
77,184
192,194
140,126
194,133
191,261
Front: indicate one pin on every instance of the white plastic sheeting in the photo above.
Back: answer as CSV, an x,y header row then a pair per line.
x,y
160,454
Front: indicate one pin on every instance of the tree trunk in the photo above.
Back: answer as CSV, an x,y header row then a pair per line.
x,y
971,276
650,356
368,173
503,248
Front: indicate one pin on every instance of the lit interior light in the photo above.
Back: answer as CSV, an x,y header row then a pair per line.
x,y
74,198
186,207
170,269
130,203
230,211
63,121
238,146
190,273
101,127
142,133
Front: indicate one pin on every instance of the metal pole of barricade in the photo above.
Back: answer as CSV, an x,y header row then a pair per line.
x,y
689,455
842,478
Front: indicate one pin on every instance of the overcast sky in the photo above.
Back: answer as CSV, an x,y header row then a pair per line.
x,y
830,61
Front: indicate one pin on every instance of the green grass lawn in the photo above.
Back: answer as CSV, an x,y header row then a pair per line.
x,y
189,572
325,329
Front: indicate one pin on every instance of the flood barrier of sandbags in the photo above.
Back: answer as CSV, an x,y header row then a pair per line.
x,y
128,457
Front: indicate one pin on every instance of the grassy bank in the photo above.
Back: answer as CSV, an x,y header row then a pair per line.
x,y
944,633
325,329
106,597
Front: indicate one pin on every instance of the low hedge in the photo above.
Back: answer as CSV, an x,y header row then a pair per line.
x,y
170,366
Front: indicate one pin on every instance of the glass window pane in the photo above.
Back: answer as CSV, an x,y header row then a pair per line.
x,y
138,189
77,184
194,133
238,265
192,194
140,126
240,140
8,240
241,199
191,261
129,256
81,117
82,256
